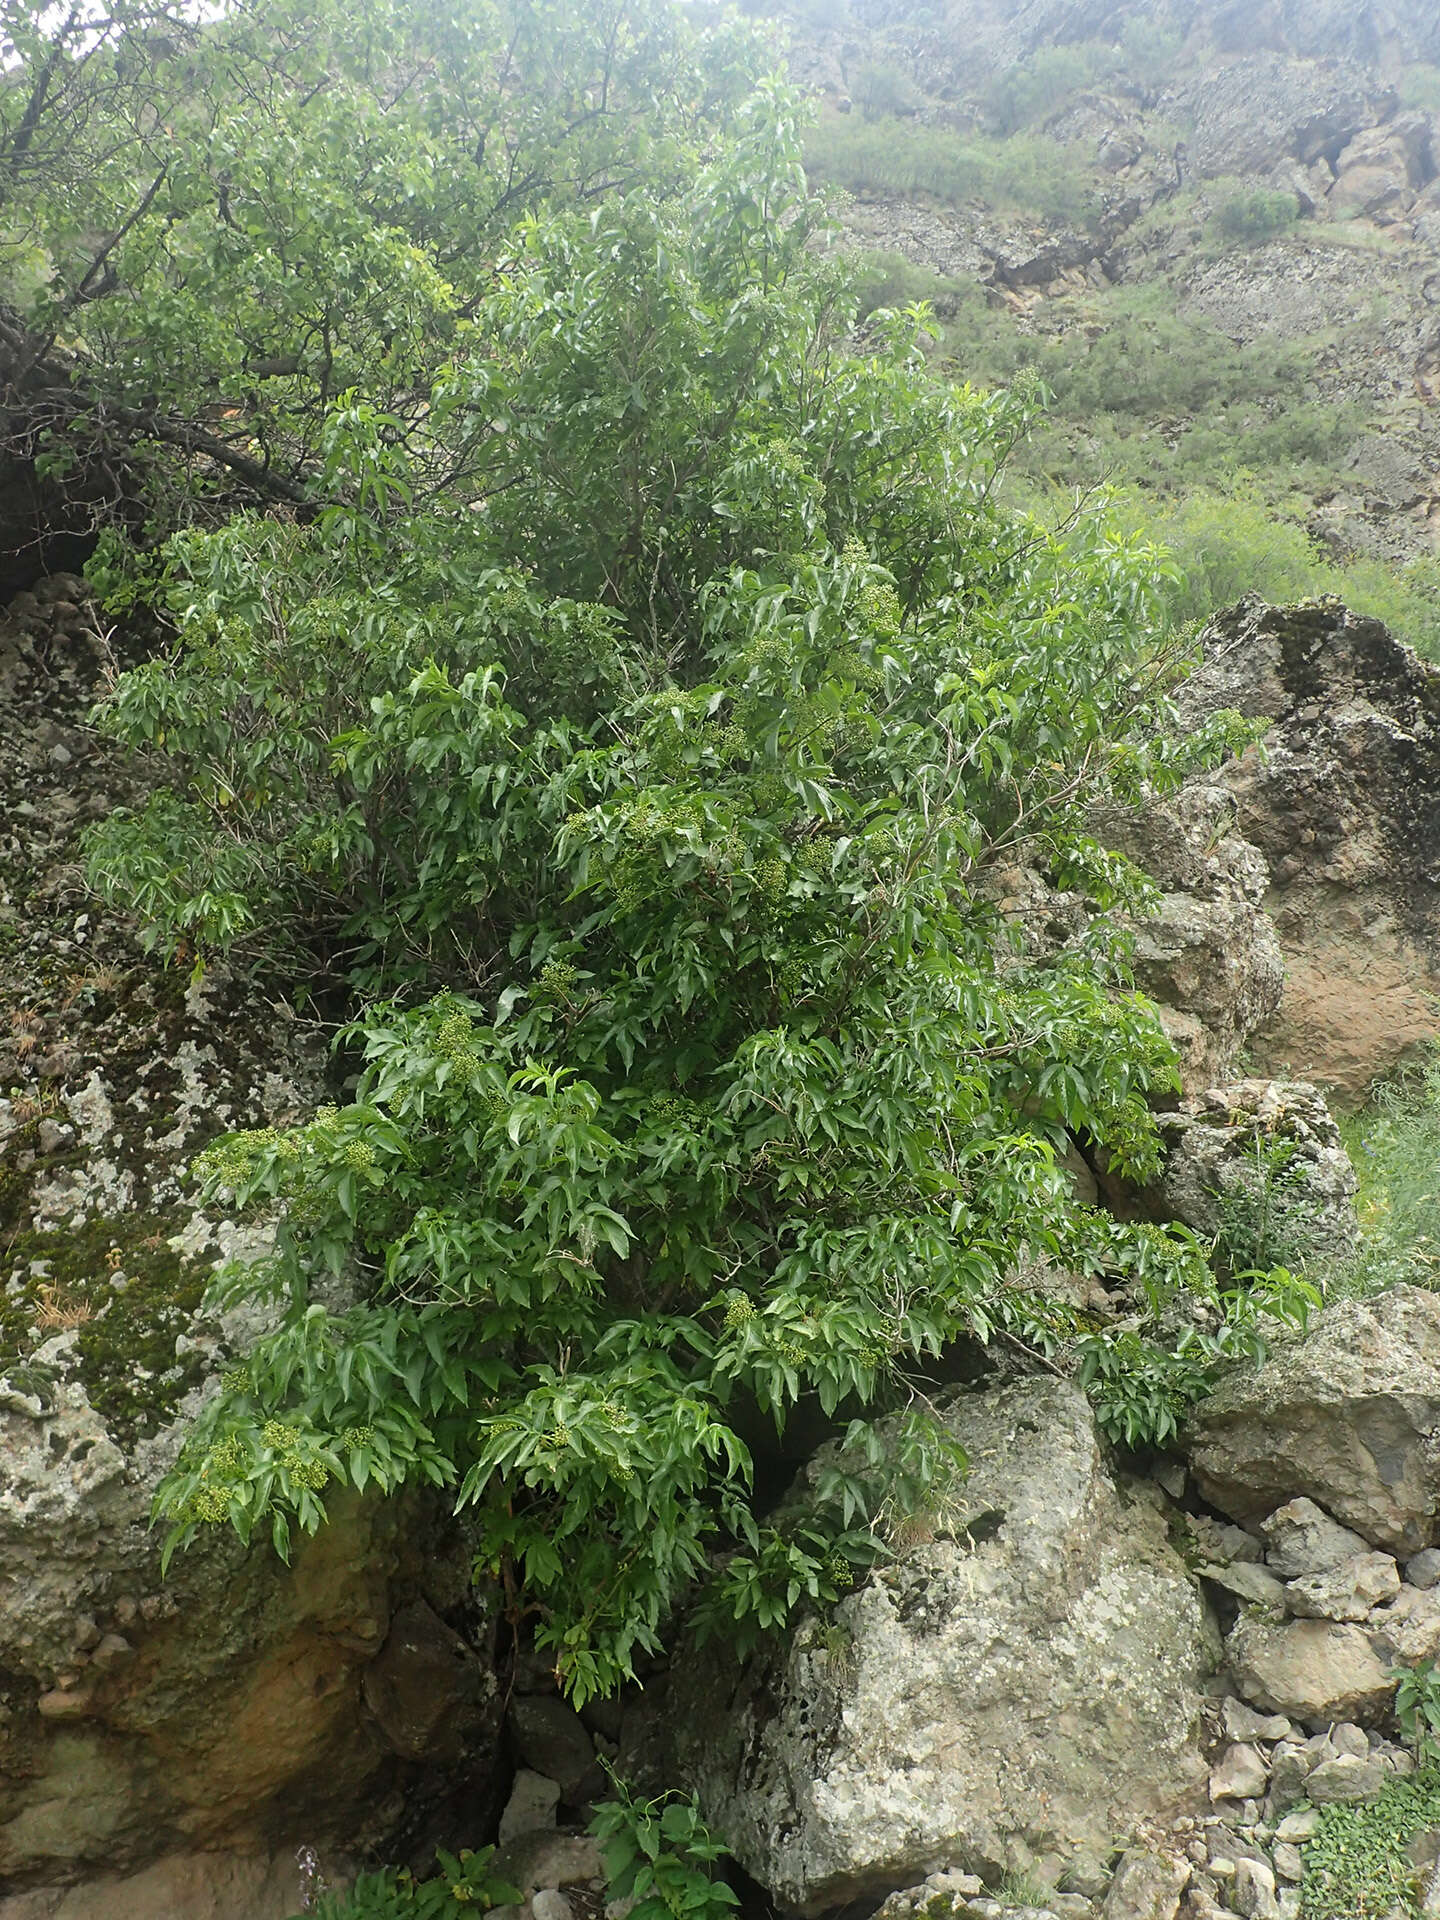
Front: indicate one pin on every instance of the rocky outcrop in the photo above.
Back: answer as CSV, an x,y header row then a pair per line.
x,y
1260,1164
1348,1416
1343,801
1208,955
1024,1684
186,1732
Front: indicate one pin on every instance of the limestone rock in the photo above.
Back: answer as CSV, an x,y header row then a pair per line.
x,y
1147,1886
182,1886
530,1808
548,1859
152,1730
1408,1631
1240,1774
1031,1674
1346,1592
1303,1539
1262,1157
1312,1670
1344,806
1208,955
1347,1416
551,1740
1346,1777
1423,1569
1255,1584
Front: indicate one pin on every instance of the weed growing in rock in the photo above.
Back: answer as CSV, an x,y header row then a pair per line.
x,y
462,1888
660,1855
1357,1866
1417,1709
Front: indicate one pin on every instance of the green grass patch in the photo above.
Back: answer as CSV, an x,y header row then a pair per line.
x,y
1395,1149
888,153
1357,1866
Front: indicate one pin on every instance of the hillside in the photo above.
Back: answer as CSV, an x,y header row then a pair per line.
x,y
1215,233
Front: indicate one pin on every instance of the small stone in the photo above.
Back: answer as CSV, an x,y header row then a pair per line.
x,y
1345,1778
1170,1475
1253,1896
1288,1863
1240,1775
1243,1723
1299,1826
87,1634
1071,1906
60,756
63,1704
1147,1886
1348,1738
550,1904
1256,1584
113,1650
531,1806
1086,1874
1304,1539
1423,1569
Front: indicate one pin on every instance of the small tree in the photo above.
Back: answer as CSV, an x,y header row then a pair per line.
x,y
684,746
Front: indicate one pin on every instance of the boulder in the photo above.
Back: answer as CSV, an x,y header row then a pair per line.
x,y
1347,1592
1344,805
1302,1539
1310,1670
1208,955
1025,1681
1261,1163
160,1737
551,1739
1347,1415
1407,1632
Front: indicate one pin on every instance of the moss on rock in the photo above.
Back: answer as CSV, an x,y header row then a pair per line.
x,y
128,1294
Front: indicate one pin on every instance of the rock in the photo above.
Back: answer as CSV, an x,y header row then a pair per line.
x,y
548,1903
1344,806
1242,1723
1348,1415
1147,1886
1261,1162
423,1685
1033,1673
551,1739
1289,1861
1208,954
1253,1895
1241,1774
1254,1584
1350,1739
531,1806
227,1700
1296,1827
183,1886
1303,1539
548,1859
1309,1669
1346,1592
1224,1544
1423,1569
1408,1631
1346,1777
